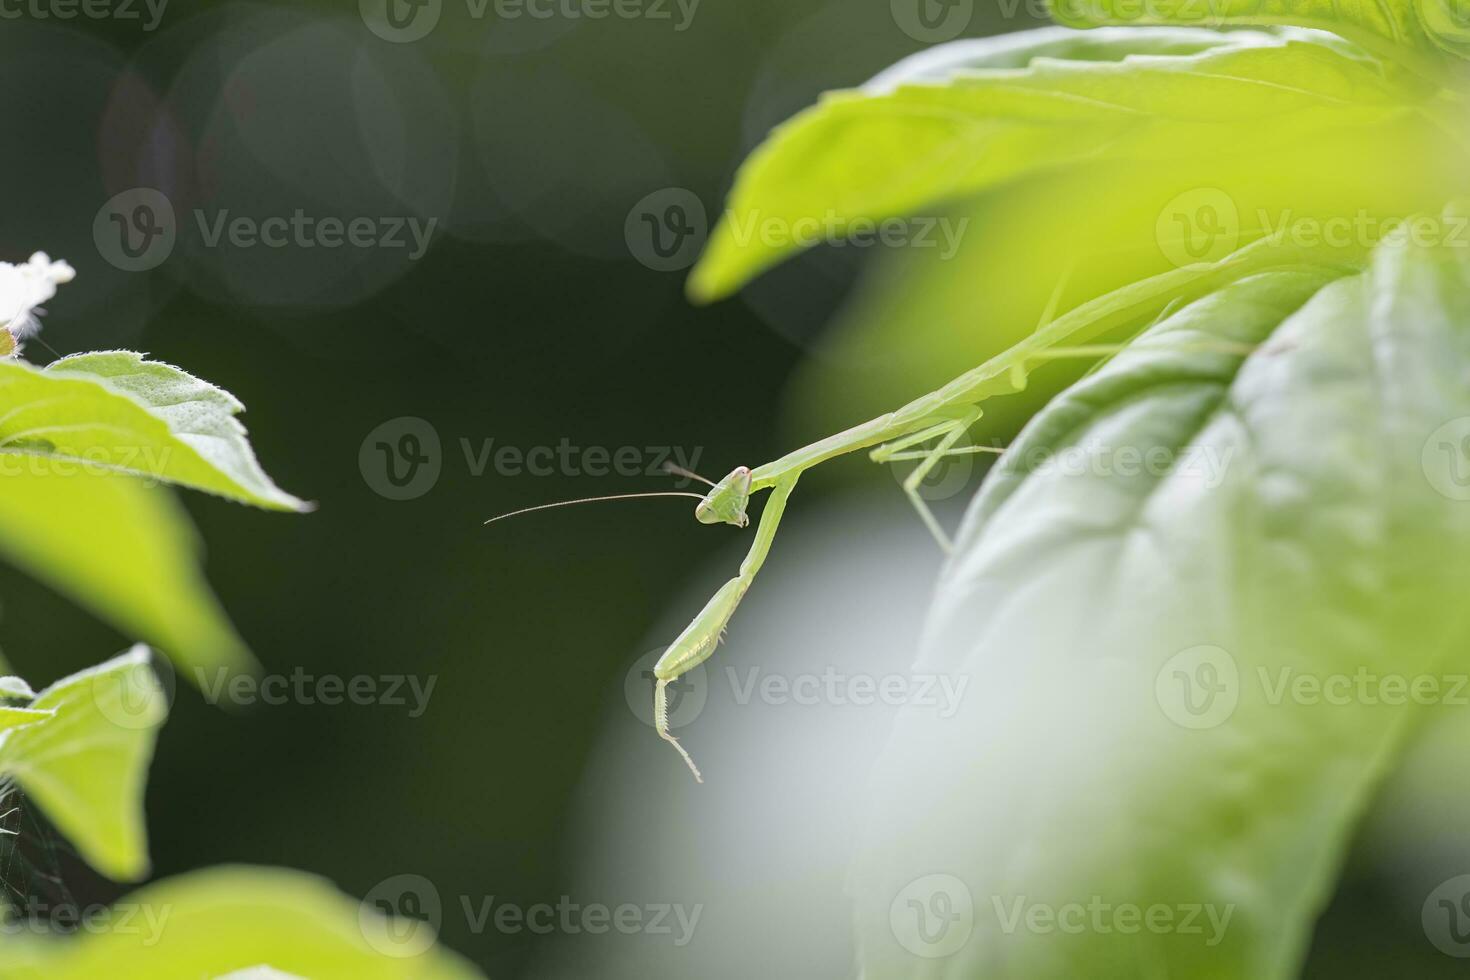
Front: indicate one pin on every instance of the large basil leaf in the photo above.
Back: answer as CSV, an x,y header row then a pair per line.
x,y
1202,600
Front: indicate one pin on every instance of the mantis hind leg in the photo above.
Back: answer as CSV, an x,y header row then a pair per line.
x,y
948,433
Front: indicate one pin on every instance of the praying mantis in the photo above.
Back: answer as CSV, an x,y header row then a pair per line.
x,y
940,419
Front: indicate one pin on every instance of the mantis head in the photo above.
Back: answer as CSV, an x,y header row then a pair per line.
x,y
725,503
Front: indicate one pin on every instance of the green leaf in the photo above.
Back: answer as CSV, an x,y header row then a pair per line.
x,y
116,411
86,762
1138,594
124,550
861,157
233,921
1389,27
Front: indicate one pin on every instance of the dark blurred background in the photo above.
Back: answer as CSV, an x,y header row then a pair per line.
x,y
536,318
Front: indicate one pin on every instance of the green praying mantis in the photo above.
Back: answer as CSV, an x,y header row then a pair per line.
x,y
929,428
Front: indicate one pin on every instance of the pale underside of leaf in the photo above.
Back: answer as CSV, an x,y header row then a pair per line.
x,y
1016,51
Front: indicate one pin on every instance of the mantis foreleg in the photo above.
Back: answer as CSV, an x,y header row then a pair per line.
x,y
699,639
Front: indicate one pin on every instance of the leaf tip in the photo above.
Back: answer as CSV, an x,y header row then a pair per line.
x,y
703,287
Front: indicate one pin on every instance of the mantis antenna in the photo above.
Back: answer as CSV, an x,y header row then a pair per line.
x,y
593,500
681,471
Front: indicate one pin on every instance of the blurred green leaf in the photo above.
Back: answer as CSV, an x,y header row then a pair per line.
x,y
1175,555
219,922
860,157
114,410
124,550
86,762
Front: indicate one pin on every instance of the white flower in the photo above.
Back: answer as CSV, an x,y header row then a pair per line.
x,y
24,287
